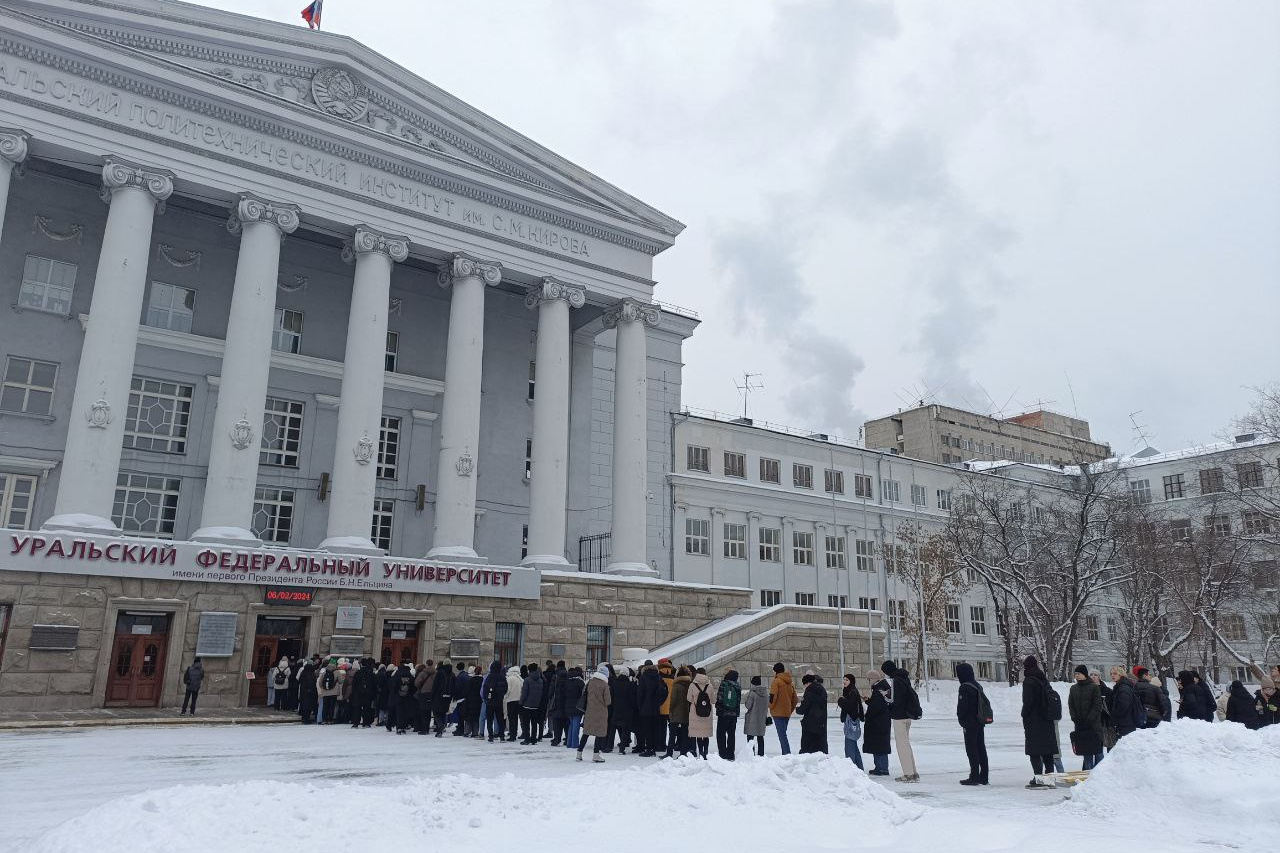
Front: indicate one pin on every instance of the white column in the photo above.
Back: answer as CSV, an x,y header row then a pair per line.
x,y
549,487
630,449
13,151
91,460
355,470
246,363
455,530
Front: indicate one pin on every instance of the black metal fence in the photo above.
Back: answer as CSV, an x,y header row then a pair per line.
x,y
594,552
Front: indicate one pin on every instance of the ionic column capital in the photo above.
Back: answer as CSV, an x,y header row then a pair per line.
x,y
631,310
120,174
465,266
251,208
13,145
549,290
367,241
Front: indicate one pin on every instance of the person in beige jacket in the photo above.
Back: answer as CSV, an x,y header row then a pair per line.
x,y
700,727
595,722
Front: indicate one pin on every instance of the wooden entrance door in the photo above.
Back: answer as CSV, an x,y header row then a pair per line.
x,y
276,637
135,677
400,643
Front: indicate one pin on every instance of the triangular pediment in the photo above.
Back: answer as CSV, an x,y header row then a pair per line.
x,y
346,83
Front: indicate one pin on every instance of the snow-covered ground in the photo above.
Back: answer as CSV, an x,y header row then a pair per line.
x,y
258,788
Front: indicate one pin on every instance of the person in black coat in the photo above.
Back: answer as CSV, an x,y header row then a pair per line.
x,y
364,691
402,692
291,692
540,720
1123,698
1149,695
813,715
1040,735
1242,707
495,695
308,697
382,696
1206,697
651,692
442,697
624,708
1190,699
877,725
532,690
973,723
470,716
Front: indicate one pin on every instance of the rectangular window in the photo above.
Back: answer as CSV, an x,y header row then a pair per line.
x,y
1180,530
288,332
862,486
533,376
1038,514
801,548
735,465
770,471
158,415
770,597
805,599
770,545
1231,626
984,670
393,352
146,504
1212,481
28,386
384,513
839,601
802,476
17,494
919,497
1140,491
528,459
170,307
897,614
388,447
1249,475
1255,522
1091,628
835,553
978,621
944,499
273,514
891,491
281,433
506,643
697,536
1218,525
864,553
833,482
47,285
524,541
735,541
865,603
1173,486
697,459
597,646
1113,628
952,614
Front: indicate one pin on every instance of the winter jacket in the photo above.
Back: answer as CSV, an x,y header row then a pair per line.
x,y
442,689
651,692
495,686
515,684
307,694
383,680
756,701
680,700
1241,707
1122,699
531,690
1268,708
877,724
700,726
1084,704
273,675
782,696
968,699
344,684
1040,735
851,705
552,679
194,677
1191,703
1206,698
668,674
323,691
425,680
402,694
729,696
905,702
1149,695
595,723
460,680
364,686
568,695
622,689
813,718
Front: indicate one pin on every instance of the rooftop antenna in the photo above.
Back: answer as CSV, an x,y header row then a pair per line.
x,y
1075,410
1140,429
747,387
987,393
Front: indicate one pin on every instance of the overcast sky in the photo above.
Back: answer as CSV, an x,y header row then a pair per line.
x,y
988,204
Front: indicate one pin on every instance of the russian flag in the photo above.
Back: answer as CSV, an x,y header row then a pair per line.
x,y
311,14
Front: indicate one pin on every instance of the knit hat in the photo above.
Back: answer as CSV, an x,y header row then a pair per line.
x,y
779,667
888,667
1083,670
1139,671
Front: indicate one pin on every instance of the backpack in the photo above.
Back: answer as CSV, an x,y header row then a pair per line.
x,y
730,697
914,711
702,705
281,678
984,707
582,702
1137,711
1052,702
405,683
329,679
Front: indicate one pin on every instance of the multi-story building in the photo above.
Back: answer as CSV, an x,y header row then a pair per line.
x,y
938,433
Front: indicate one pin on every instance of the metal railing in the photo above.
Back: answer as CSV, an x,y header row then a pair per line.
x,y
594,552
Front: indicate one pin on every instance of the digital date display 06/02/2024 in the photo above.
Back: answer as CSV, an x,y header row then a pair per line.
x,y
288,595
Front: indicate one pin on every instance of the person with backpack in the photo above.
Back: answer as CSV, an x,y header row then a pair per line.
x,y
1039,712
1084,702
782,704
278,684
668,673
757,718
728,701
364,689
595,718
568,708
813,715
327,688
852,712
1149,695
701,713
877,725
424,685
531,690
495,694
403,690
678,720
904,709
973,713
192,678
651,693
622,690
308,697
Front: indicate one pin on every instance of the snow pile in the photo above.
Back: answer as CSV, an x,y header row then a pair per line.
x,y
705,805
1209,781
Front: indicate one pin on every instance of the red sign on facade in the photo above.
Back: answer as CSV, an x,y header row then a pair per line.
x,y
288,595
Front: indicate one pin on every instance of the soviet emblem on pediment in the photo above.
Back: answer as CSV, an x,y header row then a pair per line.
x,y
339,94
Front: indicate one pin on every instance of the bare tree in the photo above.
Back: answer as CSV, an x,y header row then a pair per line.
x,y
922,564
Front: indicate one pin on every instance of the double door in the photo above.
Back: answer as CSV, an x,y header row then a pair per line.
x,y
135,677
399,643
276,637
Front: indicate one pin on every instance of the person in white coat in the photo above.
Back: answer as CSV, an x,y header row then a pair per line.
x,y
514,682
278,684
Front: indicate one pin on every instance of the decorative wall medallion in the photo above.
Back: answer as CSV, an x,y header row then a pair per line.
x,y
241,434
192,259
44,225
465,464
364,450
394,306
337,93
99,414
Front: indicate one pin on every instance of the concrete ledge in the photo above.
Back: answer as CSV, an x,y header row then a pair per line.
x,y
106,718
